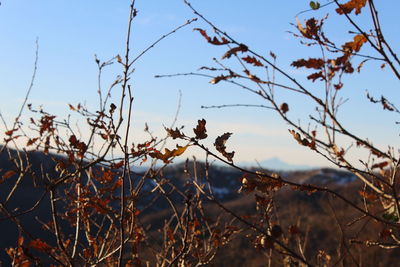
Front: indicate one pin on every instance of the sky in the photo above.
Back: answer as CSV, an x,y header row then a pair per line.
x,y
70,34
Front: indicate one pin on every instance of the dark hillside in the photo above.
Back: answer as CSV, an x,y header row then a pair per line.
x,y
321,220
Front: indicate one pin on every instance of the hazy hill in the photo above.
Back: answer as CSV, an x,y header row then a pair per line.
x,y
312,213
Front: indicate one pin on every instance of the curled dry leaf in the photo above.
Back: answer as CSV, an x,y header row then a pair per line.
x,y
284,107
174,133
222,78
297,137
168,154
351,5
9,174
253,60
200,131
214,40
32,141
380,165
356,44
219,144
10,132
311,63
112,108
241,48
40,245
312,28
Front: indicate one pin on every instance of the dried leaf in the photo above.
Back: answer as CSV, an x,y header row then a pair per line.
x,y
174,133
214,40
40,245
311,63
219,144
253,60
312,28
9,174
338,86
119,59
32,141
200,131
20,241
356,44
241,48
168,154
298,138
380,165
117,165
367,196
315,76
112,108
10,132
221,78
351,5
284,108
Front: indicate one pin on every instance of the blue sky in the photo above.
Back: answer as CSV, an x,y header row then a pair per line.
x,y
71,32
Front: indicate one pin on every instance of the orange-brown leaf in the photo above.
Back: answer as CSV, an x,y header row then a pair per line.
x,y
253,60
174,133
316,75
214,40
9,174
297,137
200,131
10,132
380,165
20,241
351,5
32,141
39,245
220,78
117,165
356,44
311,63
168,154
241,48
219,144
367,195
284,107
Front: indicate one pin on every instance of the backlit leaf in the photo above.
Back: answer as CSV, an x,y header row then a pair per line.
x,y
10,132
9,174
219,144
351,5
380,165
253,60
39,245
241,48
168,154
214,40
200,131
311,63
284,107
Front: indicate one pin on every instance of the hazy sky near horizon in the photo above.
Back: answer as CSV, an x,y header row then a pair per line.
x,y
71,32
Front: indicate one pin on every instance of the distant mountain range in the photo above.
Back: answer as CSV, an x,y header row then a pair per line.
x,y
276,163
225,182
